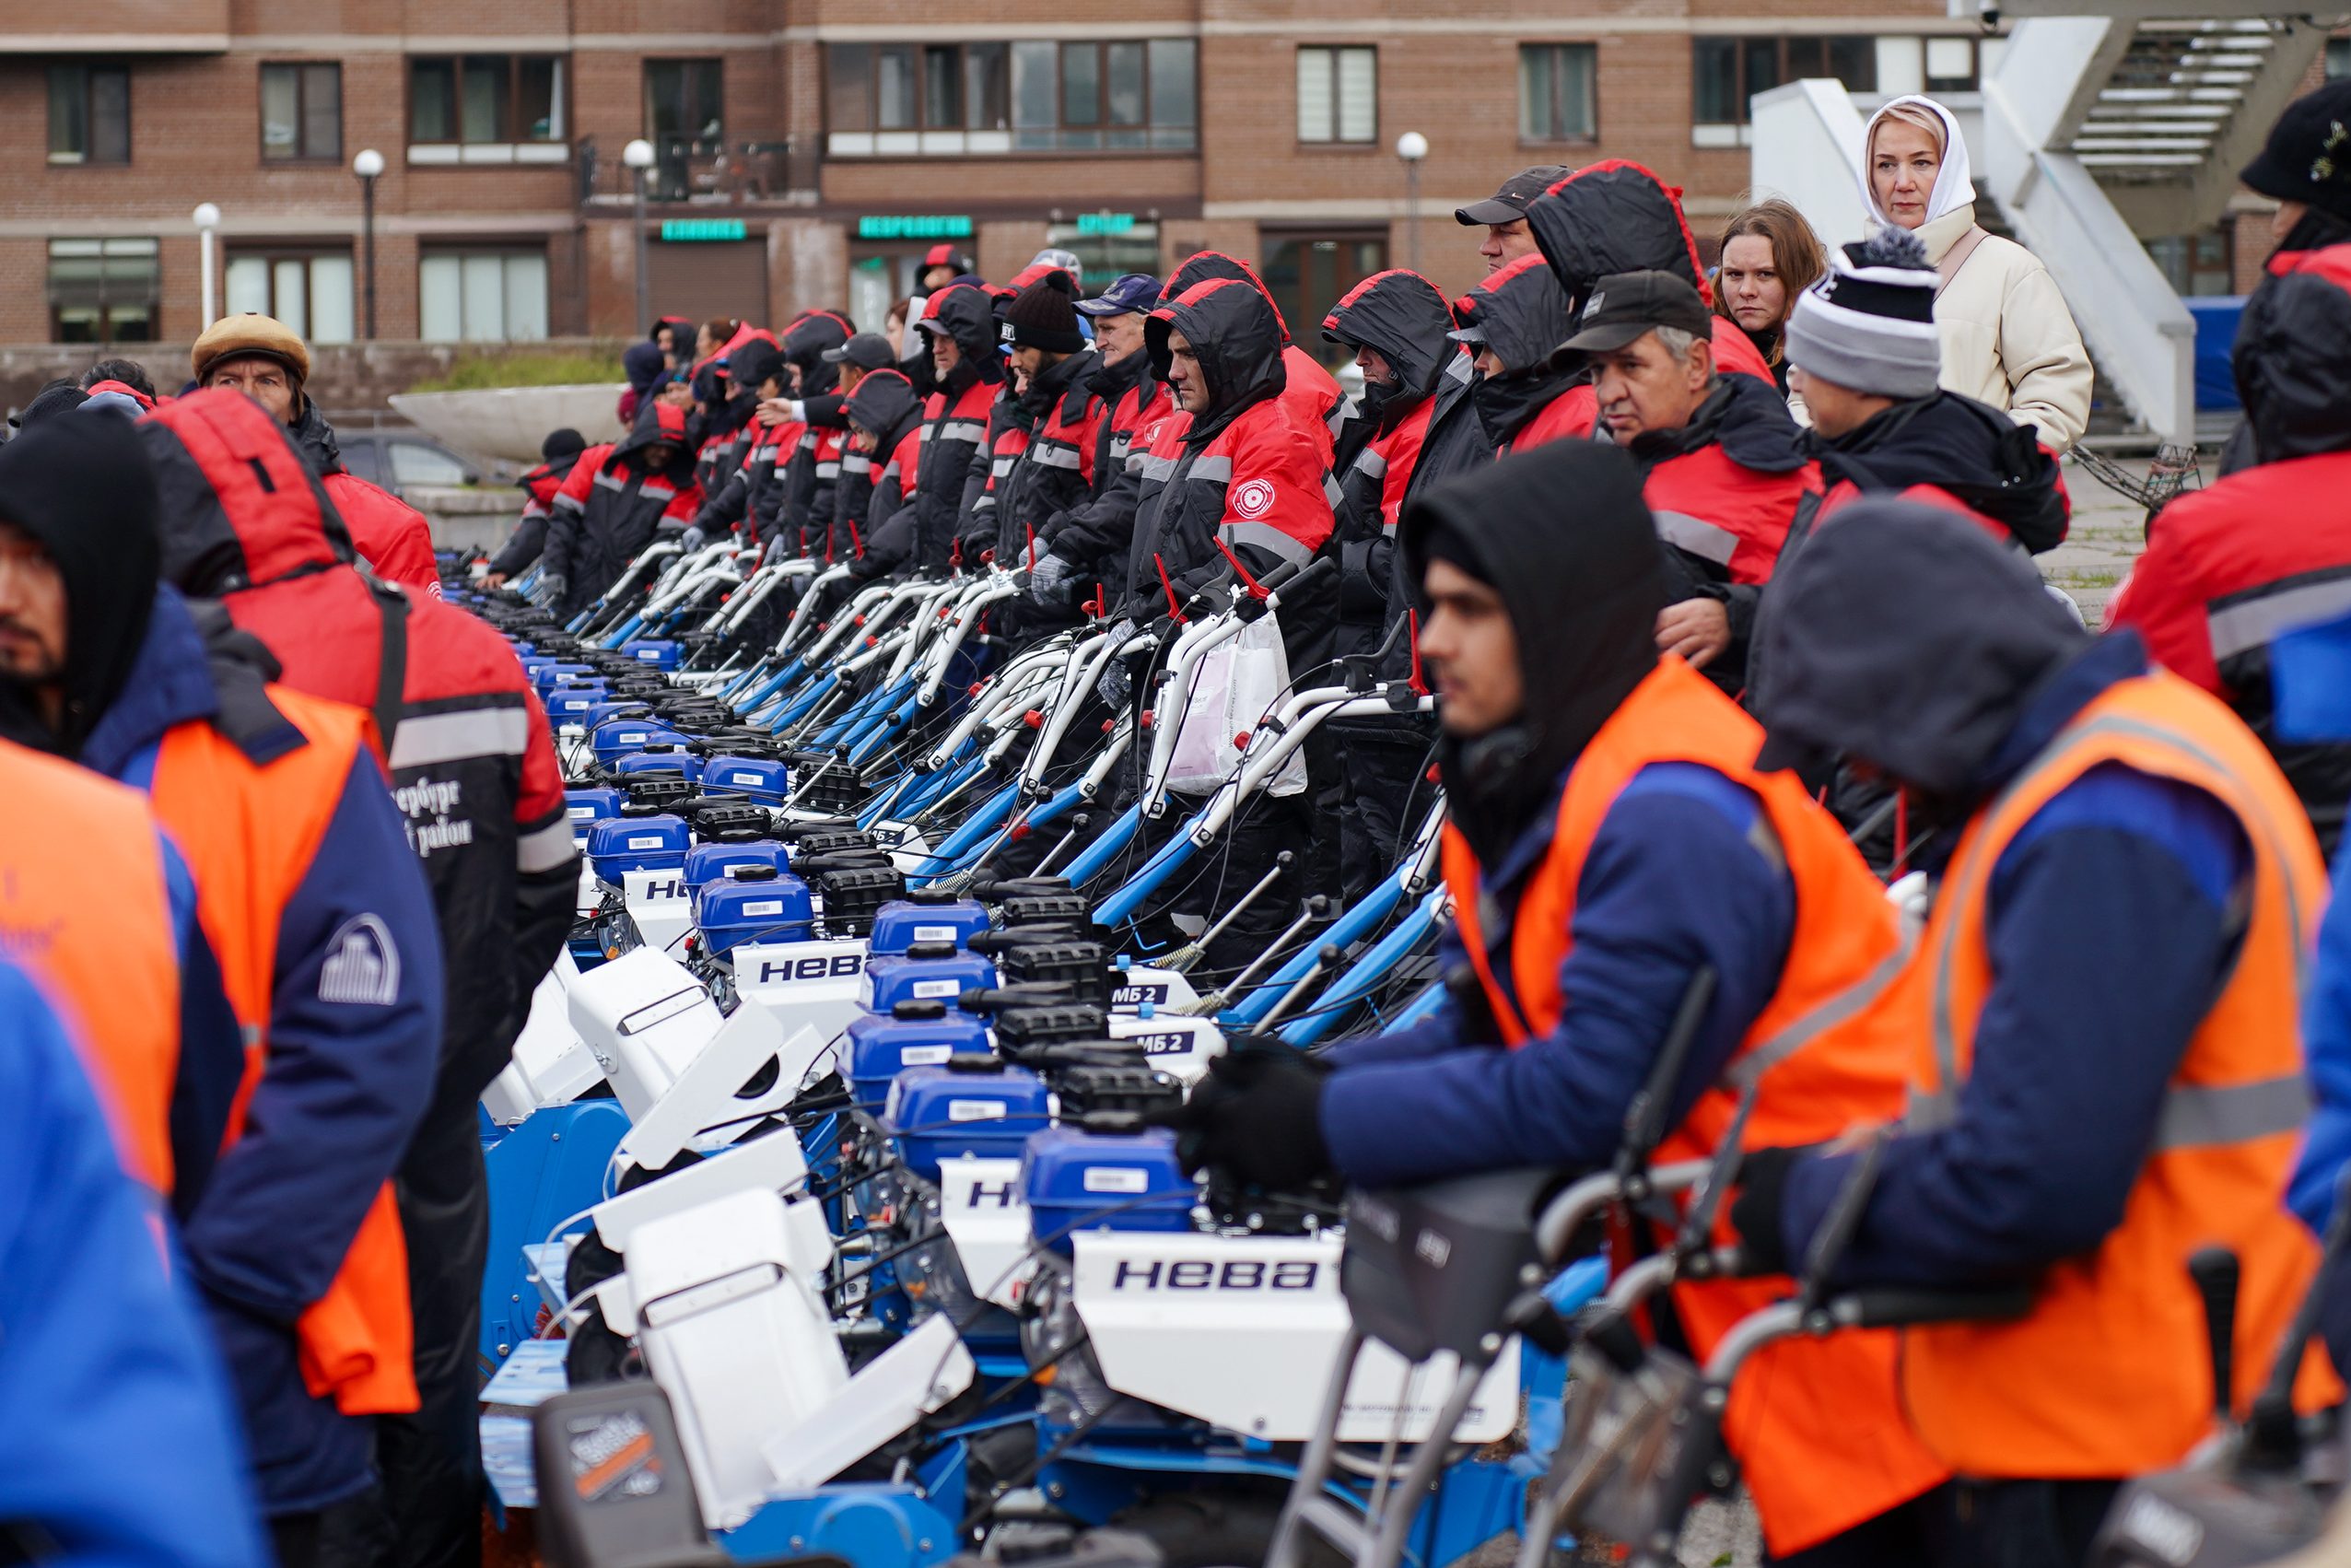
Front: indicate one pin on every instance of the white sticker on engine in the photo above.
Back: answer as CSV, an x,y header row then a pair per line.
x,y
937,988
975,1110
745,779
934,934
1117,1178
649,841
765,906
925,1056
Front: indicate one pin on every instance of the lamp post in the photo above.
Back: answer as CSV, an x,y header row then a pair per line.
x,y
638,157
366,166
1412,148
207,221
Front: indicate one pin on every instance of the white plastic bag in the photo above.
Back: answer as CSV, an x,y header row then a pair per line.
x,y
1233,689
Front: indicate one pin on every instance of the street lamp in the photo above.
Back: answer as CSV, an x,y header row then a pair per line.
x,y
1412,148
638,157
207,221
366,166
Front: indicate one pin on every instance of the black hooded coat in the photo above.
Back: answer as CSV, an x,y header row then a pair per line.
x,y
957,421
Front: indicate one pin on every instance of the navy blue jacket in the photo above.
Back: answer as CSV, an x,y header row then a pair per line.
x,y
2109,921
1673,882
332,1113
119,1442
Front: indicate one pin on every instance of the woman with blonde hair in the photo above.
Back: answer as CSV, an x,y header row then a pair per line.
x,y
1770,255
2008,339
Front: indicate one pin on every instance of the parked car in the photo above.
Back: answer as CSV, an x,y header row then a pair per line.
x,y
401,461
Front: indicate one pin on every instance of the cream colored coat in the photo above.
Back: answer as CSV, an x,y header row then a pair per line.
x,y
2008,339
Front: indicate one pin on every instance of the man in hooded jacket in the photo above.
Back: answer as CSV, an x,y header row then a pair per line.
x,y
474,772
885,423
2108,1071
959,323
813,471
2268,547
1397,322
616,501
268,362
1611,842
1086,542
751,499
1310,390
314,907
558,454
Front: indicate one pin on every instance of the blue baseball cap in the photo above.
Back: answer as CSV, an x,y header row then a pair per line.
x,y
1136,291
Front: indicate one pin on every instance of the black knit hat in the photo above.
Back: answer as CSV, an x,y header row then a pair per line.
x,y
560,444
2307,157
1045,315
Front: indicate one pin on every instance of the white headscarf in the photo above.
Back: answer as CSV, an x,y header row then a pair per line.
x,y
1953,189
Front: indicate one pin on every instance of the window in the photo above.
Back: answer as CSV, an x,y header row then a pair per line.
x,y
414,463
104,290
486,109
303,112
1337,95
976,98
2200,264
684,98
1308,274
1106,250
2338,58
89,114
1727,72
482,296
308,290
1555,92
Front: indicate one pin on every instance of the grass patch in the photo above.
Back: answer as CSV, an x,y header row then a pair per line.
x,y
520,367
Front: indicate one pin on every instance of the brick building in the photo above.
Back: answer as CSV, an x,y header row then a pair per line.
x,y
808,150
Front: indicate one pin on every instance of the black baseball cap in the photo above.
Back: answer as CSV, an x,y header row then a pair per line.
x,y
1624,306
866,350
1510,204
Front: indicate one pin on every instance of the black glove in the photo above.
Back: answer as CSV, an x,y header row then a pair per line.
x,y
1755,1213
1256,1117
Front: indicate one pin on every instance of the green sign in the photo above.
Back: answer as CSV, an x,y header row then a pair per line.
x,y
914,225
1106,222
677,229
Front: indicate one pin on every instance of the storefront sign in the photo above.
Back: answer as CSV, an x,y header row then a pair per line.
x,y
1104,222
914,225
687,230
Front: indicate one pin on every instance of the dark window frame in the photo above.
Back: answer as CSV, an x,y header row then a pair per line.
x,y
90,70
1000,116
1337,141
153,301
301,69
645,91
273,252
454,66
1591,48
1784,46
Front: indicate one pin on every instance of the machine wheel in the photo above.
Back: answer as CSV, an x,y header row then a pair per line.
x,y
1215,1529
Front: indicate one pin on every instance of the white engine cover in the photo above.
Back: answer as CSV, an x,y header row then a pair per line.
x,y
551,1065
661,908
1178,1045
737,1337
1244,1332
813,985
646,1017
1167,990
988,1219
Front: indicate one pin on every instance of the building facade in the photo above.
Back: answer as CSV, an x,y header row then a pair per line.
x,y
809,151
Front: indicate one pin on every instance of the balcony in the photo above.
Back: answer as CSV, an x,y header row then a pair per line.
x,y
691,173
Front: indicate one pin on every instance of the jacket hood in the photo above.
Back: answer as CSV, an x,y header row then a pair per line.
x,y
239,508
1405,317
1202,265
745,332
967,314
1990,462
1609,217
1582,600
83,488
1521,313
1953,188
1746,418
642,363
884,403
2292,375
1236,333
804,346
315,437
1905,637
656,423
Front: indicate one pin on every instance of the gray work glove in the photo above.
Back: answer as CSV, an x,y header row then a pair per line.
x,y
552,589
693,538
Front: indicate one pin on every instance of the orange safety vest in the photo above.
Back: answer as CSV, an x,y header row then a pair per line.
x,y
250,834
84,909
1815,1423
2109,1374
